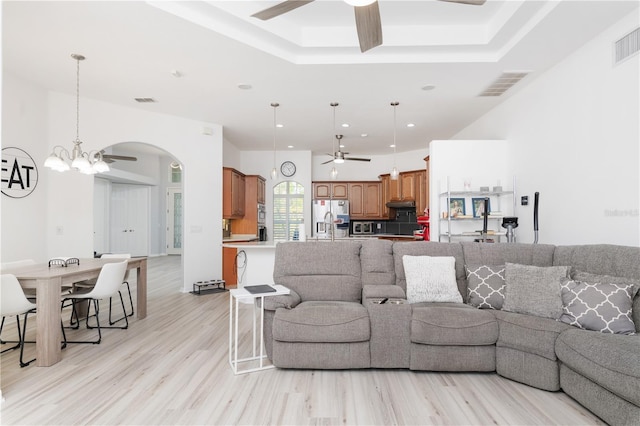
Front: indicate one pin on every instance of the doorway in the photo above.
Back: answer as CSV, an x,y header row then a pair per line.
x,y
129,219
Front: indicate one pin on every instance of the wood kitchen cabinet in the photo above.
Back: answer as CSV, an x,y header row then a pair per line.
x,y
233,185
229,270
365,200
330,190
262,190
248,224
410,186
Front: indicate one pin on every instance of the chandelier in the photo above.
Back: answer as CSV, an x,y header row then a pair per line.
x,y
84,162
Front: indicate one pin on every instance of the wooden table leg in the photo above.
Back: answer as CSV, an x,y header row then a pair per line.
x,y
142,289
48,335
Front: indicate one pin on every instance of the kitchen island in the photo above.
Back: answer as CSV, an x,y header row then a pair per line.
x,y
254,261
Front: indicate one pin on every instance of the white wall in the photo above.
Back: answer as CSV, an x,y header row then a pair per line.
x,y
103,125
24,117
573,136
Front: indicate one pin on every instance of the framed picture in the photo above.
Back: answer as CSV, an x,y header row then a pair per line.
x,y
478,207
456,207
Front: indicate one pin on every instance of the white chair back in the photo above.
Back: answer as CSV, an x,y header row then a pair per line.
x,y
13,301
118,256
109,280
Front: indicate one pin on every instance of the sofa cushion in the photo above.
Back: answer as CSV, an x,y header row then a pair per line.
x,y
528,333
452,324
610,360
429,248
322,321
320,271
499,254
534,290
376,257
604,307
431,279
485,285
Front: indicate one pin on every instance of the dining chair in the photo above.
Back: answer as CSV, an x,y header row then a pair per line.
x,y
92,282
107,285
14,302
30,293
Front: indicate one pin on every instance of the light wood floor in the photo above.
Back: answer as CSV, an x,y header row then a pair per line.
x,y
171,368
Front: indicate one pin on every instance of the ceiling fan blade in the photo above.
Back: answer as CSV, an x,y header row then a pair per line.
x,y
357,159
473,2
327,162
118,157
369,26
279,9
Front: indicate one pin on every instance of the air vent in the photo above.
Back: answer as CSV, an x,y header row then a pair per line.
x,y
145,100
503,83
627,46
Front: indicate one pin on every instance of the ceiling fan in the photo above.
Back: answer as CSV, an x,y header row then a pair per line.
x,y
367,14
110,158
339,156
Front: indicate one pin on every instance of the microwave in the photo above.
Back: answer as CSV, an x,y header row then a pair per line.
x,y
363,228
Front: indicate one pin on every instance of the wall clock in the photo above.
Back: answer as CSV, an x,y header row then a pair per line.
x,y
19,173
288,169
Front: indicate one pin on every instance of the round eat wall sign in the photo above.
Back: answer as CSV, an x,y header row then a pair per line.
x,y
19,173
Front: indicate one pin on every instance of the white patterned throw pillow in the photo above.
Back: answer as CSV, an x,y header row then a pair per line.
x,y
604,307
431,279
485,286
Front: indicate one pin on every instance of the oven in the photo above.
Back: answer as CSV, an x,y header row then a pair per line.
x,y
262,215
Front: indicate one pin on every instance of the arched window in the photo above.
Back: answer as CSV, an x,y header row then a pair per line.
x,y
288,209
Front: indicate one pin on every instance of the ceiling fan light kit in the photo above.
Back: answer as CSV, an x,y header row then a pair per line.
x,y
85,162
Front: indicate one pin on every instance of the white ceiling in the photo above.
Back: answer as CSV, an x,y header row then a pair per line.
x,y
304,60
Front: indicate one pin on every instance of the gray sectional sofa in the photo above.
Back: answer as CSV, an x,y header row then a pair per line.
x,y
331,319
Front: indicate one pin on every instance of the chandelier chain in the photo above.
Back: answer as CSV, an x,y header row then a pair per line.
x,y
77,99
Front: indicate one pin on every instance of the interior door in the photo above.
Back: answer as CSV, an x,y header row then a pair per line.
x,y
174,221
129,219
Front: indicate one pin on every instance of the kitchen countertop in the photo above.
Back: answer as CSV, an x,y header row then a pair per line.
x,y
237,238
249,244
245,244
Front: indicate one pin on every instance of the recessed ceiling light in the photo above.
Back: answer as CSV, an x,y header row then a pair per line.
x,y
345,124
289,146
363,135
429,87
411,125
244,86
279,125
341,146
392,146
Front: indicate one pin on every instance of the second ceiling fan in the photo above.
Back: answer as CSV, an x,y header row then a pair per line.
x,y
339,155
367,14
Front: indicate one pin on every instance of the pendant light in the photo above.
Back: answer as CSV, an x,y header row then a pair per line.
x,y
88,163
394,172
334,172
274,171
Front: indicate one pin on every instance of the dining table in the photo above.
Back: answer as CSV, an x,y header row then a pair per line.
x,y
48,281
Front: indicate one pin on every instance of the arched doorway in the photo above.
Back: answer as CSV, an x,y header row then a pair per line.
x,y
136,200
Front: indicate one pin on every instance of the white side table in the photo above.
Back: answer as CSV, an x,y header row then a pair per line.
x,y
240,295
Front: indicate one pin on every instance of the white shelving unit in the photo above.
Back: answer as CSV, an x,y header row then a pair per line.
x,y
466,225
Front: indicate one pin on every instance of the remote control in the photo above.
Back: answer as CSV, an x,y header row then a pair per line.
x,y
384,300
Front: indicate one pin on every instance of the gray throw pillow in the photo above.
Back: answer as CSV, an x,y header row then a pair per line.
x,y
534,290
596,278
485,286
604,307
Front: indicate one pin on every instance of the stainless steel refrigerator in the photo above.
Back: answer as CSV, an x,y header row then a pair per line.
x,y
330,217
